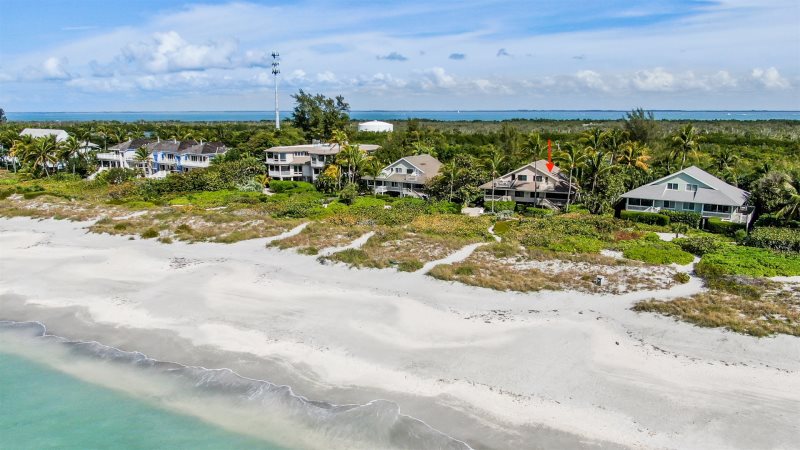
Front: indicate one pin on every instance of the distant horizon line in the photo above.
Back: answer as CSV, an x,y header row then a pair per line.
x,y
407,110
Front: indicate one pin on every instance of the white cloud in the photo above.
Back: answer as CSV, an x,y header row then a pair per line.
x,y
656,79
592,80
169,52
770,78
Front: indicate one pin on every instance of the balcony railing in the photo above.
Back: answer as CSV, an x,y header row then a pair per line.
x,y
496,198
190,163
503,183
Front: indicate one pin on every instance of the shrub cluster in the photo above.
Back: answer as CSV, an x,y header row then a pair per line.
x,y
657,252
285,187
716,225
749,261
688,217
699,245
501,206
645,217
771,220
226,175
782,239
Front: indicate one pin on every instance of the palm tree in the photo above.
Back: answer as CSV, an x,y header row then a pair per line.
x,y
792,209
142,156
452,170
634,158
725,158
615,139
596,164
19,149
68,150
494,163
262,179
572,157
685,142
372,168
42,153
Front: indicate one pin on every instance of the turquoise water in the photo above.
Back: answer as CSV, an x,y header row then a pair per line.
x,y
41,408
239,116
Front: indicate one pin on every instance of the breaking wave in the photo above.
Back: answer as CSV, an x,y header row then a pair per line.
x,y
251,403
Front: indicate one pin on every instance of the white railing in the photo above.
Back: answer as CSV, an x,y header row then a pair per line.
x,y
190,163
411,178
497,198
381,189
503,183
723,215
642,208
108,156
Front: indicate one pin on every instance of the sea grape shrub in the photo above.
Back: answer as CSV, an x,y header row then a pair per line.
x,y
281,186
689,218
700,245
645,217
718,226
117,175
748,261
781,239
657,253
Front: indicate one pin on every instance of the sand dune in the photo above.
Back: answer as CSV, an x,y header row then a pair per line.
x,y
497,370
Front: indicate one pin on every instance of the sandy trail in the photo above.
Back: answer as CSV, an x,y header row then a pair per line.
x,y
457,256
496,369
357,243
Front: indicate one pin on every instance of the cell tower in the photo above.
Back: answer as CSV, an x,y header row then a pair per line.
x,y
276,63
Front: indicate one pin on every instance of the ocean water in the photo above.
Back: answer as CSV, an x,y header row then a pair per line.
x,y
44,408
60,393
240,116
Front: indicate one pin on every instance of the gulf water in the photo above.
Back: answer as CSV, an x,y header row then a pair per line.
x,y
72,394
247,116
42,408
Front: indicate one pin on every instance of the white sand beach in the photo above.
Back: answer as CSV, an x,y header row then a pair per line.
x,y
496,370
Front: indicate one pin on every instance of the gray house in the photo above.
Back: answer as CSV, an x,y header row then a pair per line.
x,y
406,177
532,184
693,190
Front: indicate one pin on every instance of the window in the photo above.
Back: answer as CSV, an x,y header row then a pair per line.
x,y
281,156
717,208
640,202
398,170
520,177
409,171
519,194
539,178
672,186
669,205
691,187
688,206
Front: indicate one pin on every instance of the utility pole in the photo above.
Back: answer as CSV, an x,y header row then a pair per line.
x,y
276,62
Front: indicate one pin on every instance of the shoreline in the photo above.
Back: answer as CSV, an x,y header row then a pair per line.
x,y
441,349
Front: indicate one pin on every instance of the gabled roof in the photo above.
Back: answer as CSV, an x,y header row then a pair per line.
x,y
427,164
557,179
719,193
60,135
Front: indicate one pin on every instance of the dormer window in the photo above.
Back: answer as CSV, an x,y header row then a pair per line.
x,y
409,171
691,187
398,170
521,177
672,186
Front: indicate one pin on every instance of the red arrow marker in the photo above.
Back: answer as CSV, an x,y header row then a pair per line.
x,y
550,164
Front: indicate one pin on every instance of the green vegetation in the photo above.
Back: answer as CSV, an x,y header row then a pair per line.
x,y
782,239
645,217
657,252
749,261
716,225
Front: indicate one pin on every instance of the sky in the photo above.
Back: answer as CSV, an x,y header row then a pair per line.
x,y
166,55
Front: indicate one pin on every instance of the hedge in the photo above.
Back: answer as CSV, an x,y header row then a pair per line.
x,y
749,261
501,206
716,225
781,239
645,217
689,218
281,186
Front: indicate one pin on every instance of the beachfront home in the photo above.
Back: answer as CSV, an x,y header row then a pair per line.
x,y
405,177
165,156
532,184
303,162
693,190
60,135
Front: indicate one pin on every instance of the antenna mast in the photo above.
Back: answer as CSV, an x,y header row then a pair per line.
x,y
276,62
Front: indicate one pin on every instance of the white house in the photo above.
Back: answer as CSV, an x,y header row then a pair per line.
x,y
376,126
406,176
165,156
303,162
531,183
693,190
60,135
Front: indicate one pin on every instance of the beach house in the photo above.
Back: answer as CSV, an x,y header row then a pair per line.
x,y
405,177
692,190
165,156
60,135
303,162
532,184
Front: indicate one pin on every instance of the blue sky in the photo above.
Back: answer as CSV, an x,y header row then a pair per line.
x,y
93,55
